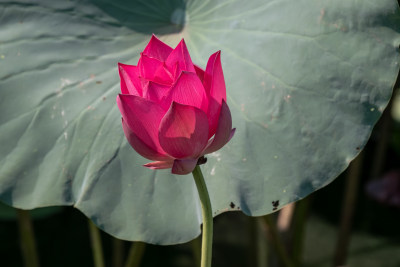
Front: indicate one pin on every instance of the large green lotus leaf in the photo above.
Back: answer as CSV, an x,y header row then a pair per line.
x,y
306,82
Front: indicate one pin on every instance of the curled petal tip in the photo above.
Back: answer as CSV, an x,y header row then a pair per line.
x,y
232,134
157,165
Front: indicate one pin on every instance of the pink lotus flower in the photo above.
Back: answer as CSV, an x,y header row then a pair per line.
x,y
173,112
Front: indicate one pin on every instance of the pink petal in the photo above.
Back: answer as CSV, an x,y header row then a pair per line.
x,y
163,75
143,119
183,131
157,49
148,66
214,84
175,71
187,90
155,91
224,130
159,165
140,146
199,72
184,166
130,83
181,55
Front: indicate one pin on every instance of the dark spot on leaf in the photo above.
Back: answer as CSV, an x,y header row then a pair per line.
x,y
98,82
275,204
232,205
358,148
104,98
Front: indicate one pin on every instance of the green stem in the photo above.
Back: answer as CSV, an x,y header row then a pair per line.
x,y
96,245
276,241
135,254
27,239
206,246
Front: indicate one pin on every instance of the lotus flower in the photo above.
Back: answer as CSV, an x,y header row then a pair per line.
x,y
173,112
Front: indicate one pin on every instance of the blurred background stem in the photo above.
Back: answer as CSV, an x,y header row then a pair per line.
x,y
254,242
348,206
135,254
118,252
276,241
97,249
196,249
285,218
299,226
27,239
385,129
284,223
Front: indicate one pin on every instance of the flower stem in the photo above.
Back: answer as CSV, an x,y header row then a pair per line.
x,y
206,246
